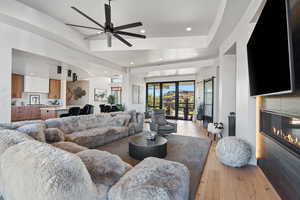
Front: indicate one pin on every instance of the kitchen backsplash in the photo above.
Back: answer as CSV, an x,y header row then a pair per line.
x,y
25,100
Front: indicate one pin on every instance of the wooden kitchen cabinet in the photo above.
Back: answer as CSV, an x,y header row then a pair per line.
x,y
17,87
21,113
54,89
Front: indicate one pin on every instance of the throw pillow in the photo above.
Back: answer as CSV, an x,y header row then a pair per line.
x,y
104,168
69,147
36,131
54,135
120,120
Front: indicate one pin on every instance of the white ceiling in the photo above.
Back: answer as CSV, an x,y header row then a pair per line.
x,y
162,19
138,57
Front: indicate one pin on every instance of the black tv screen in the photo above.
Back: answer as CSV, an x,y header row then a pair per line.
x,y
270,56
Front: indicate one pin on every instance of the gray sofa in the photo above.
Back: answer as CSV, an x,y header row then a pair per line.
x,y
31,169
90,131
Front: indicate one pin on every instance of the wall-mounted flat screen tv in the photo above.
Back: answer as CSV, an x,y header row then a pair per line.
x,y
274,49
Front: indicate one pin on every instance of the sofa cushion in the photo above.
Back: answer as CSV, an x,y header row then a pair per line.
x,y
54,135
79,123
115,133
120,120
15,125
69,147
36,131
10,138
153,179
66,124
46,173
90,138
104,168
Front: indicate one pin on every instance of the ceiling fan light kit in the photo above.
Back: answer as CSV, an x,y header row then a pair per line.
x,y
108,28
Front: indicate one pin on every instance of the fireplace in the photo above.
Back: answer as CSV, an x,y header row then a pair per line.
x,y
280,157
283,128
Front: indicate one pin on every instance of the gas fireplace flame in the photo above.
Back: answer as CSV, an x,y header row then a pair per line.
x,y
287,137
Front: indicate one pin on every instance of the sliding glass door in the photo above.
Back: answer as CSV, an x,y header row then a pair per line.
x,y
153,96
208,101
186,94
177,98
169,99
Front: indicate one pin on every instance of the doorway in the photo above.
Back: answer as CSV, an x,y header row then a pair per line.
x,y
177,98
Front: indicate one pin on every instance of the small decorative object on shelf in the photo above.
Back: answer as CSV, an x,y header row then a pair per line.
x,y
151,135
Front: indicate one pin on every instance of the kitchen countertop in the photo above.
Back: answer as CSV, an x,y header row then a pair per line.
x,y
55,108
58,108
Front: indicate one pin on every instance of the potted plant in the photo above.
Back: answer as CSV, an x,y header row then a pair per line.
x,y
111,99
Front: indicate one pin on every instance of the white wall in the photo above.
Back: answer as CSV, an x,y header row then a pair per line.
x,y
14,38
5,83
128,81
99,83
245,105
227,89
171,78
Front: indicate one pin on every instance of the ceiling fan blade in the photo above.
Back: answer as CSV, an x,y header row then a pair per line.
x,y
88,27
93,36
86,16
122,39
130,34
128,26
107,13
108,35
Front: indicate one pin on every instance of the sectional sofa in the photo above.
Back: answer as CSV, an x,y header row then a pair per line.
x,y
54,159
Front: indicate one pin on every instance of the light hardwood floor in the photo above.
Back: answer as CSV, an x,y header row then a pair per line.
x,y
219,182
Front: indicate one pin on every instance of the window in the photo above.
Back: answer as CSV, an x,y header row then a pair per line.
x,y
177,98
117,92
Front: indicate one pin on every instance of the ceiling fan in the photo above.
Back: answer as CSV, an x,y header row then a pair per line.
x,y
108,29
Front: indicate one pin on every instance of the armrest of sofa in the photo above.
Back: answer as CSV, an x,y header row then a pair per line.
x,y
153,178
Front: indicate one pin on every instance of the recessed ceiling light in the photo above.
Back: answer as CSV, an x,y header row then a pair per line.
x,y
188,29
143,31
160,59
132,63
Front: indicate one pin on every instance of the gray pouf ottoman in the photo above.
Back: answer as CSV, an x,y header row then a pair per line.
x,y
233,152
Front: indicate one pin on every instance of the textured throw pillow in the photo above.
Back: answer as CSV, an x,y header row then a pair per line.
x,y
54,135
69,147
104,168
120,120
36,131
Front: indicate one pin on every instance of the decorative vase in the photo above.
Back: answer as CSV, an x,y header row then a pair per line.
x,y
151,135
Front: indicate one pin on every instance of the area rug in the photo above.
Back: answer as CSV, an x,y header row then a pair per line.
x,y
190,151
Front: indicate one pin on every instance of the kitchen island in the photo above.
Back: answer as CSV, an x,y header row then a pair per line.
x,y
53,112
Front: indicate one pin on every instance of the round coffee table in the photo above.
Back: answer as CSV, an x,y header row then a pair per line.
x,y
140,147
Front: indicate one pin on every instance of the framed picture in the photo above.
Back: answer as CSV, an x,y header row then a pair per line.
x,y
34,99
100,95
